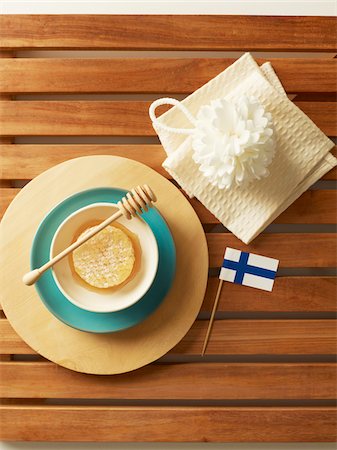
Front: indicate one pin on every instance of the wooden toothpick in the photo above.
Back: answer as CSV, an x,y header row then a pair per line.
x,y
211,320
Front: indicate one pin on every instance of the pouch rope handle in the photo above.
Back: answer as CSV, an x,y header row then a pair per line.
x,y
179,105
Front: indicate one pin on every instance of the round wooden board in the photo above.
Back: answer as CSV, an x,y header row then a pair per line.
x,y
101,353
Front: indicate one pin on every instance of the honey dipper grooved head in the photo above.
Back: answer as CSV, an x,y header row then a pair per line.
x,y
137,201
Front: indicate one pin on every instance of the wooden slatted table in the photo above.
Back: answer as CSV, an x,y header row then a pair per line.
x,y
269,373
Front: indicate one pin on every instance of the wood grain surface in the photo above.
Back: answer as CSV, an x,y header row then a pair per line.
x,y
251,385
166,32
193,381
314,207
290,294
110,118
205,424
266,337
151,75
292,249
232,337
35,159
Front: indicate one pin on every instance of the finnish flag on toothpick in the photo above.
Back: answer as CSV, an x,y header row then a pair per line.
x,y
248,269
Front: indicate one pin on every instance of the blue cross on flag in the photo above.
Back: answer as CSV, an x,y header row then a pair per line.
x,y
248,269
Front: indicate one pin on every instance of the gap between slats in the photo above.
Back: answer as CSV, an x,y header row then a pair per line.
x,y
166,54
184,359
90,403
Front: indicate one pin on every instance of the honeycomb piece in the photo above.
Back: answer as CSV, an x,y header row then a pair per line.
x,y
106,259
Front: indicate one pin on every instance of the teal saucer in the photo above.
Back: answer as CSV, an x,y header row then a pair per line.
x,y
79,318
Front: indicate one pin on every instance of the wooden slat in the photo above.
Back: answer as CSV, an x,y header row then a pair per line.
x,y
151,32
107,118
196,381
34,159
323,114
232,337
267,337
6,196
312,207
149,75
10,342
318,206
292,249
332,174
7,97
205,424
290,294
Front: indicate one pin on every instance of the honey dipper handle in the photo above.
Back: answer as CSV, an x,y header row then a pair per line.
x,y
31,277
139,200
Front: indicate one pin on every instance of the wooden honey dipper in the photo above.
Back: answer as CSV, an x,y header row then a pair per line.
x,y
136,201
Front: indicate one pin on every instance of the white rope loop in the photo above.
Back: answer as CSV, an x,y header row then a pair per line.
x,y
179,105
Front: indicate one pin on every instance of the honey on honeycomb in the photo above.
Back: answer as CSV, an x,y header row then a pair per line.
x,y
105,260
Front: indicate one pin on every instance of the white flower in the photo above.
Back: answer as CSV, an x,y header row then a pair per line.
x,y
233,143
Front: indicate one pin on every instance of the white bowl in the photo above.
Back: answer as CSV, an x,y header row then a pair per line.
x,y
103,300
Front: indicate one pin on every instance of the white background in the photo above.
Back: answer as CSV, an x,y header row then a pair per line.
x,y
265,7
285,7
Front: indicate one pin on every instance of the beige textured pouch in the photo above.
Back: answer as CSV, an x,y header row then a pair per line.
x,y
302,155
